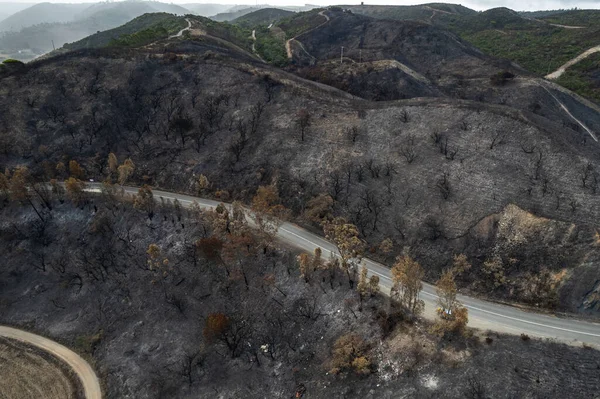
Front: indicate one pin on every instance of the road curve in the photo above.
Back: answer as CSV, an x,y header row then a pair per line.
x,y
557,74
254,46
85,373
180,33
482,314
288,47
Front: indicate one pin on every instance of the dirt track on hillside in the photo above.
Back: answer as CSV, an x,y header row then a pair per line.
x,y
87,376
556,74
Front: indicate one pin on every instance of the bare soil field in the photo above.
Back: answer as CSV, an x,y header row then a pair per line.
x,y
27,372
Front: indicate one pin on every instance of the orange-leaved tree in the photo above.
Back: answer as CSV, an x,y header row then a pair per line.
x,y
406,276
350,353
229,330
268,214
113,163
75,190
144,200
157,262
75,170
125,171
346,238
215,326
318,208
452,315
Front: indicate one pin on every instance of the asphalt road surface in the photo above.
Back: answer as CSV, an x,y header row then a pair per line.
x,y
482,314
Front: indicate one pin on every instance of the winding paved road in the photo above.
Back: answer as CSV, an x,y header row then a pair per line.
x,y
87,376
482,314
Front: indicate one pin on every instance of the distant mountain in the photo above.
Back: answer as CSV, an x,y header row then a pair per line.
x,y
42,13
42,38
231,15
306,7
265,16
130,8
540,14
10,8
139,31
239,11
206,10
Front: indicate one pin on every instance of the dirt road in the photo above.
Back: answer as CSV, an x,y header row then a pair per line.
x,y
288,47
556,74
85,373
180,33
254,47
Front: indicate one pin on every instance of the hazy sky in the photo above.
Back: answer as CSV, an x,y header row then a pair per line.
x,y
475,4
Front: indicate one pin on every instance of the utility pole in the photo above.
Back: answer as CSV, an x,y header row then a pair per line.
x,y
53,45
342,56
360,56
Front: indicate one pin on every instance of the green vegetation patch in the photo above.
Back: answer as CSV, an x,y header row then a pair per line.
x,y
141,38
11,61
270,47
584,77
540,50
235,34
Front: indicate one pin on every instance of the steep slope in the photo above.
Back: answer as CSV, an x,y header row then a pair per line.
x,y
408,170
538,45
384,59
146,329
41,13
387,60
407,42
513,188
